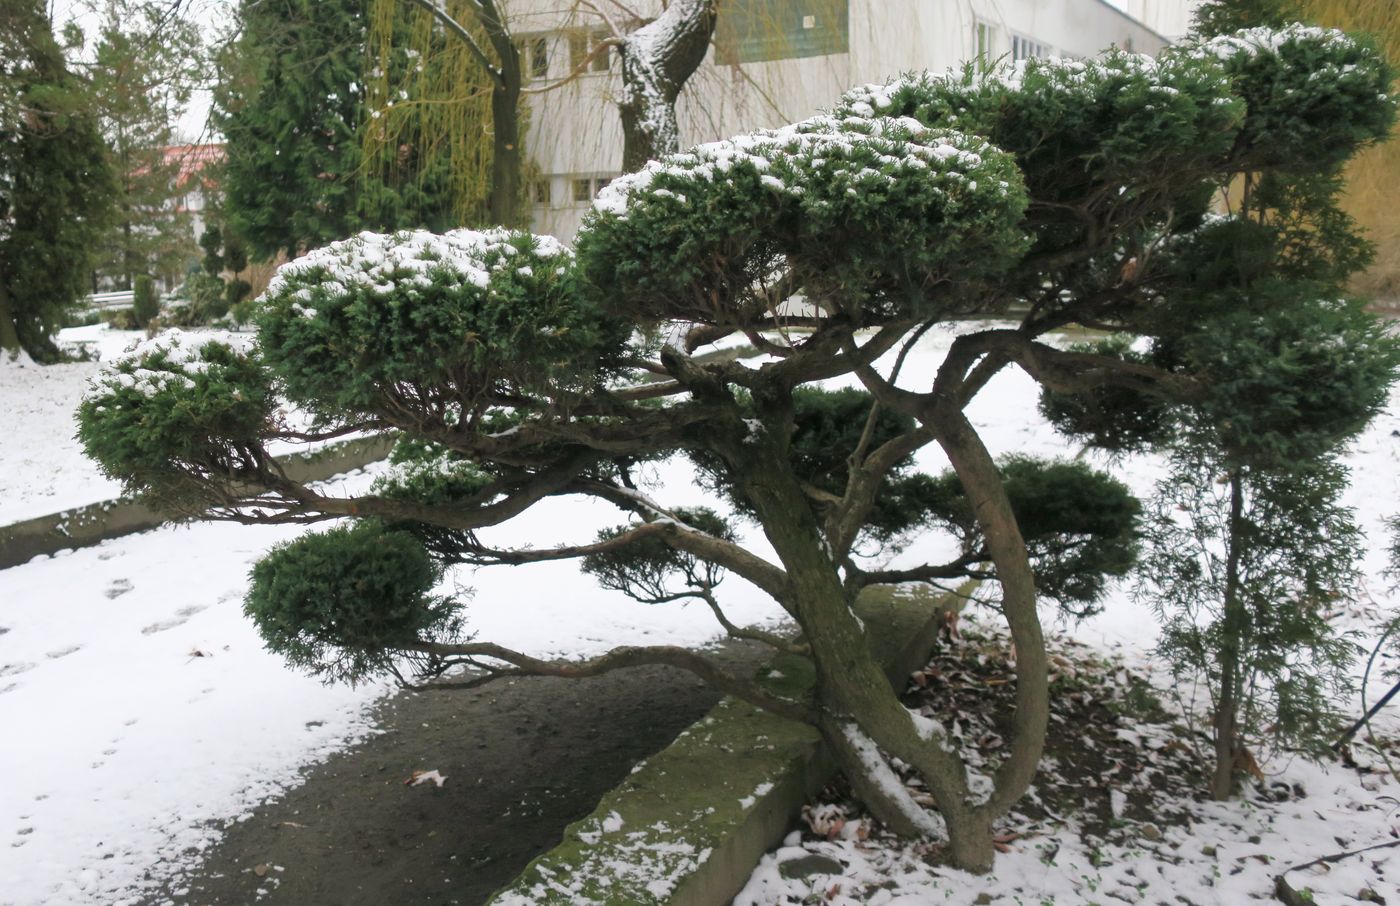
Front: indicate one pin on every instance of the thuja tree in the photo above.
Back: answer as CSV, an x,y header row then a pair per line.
x,y
514,371
1250,547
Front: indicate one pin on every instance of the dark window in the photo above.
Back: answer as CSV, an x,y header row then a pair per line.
x,y
539,191
603,53
583,189
539,57
583,43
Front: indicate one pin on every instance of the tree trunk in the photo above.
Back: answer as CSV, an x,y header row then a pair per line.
x,y
657,59
9,333
1236,618
982,483
504,201
507,158
853,693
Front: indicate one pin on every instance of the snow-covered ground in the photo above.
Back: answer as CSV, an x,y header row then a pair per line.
x,y
1233,851
42,467
140,710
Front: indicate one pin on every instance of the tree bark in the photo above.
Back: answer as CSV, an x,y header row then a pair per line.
x,y
9,333
657,59
506,155
504,200
1226,718
852,690
981,480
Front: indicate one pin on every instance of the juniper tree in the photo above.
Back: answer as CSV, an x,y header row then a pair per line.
x,y
515,370
146,63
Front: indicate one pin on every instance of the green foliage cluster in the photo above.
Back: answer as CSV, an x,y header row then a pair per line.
x,y
335,603
645,569
462,322
1080,525
290,103
1111,416
145,301
145,66
864,214
1311,94
1075,124
56,184
174,412
1264,635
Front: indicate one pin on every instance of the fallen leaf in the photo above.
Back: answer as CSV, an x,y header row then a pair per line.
x,y
424,777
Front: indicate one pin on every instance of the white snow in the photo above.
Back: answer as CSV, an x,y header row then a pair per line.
x,y
42,466
384,262
140,711
1235,850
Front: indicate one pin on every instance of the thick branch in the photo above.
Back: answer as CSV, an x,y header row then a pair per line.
x,y
961,568
682,537
619,658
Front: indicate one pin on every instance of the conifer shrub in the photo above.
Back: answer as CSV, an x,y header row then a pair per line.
x,y
513,371
145,304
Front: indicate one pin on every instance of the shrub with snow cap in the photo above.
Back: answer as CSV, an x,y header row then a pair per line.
x,y
863,215
370,322
1073,123
174,411
1314,95
1069,192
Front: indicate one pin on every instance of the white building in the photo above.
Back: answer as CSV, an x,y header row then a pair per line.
x,y
777,61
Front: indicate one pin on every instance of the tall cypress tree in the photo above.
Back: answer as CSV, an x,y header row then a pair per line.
x,y
291,104
55,183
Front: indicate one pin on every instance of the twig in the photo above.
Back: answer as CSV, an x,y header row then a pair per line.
x,y
1285,893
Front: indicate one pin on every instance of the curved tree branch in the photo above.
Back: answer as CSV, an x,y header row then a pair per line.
x,y
619,658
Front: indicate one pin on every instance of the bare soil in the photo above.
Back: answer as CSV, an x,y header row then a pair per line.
x,y
522,759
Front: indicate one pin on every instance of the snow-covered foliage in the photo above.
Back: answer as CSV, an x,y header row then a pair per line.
x,y
174,408
360,322
381,264
855,210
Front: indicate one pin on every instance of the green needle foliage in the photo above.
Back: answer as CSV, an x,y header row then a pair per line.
x,y
516,371
291,104
336,603
1249,544
56,183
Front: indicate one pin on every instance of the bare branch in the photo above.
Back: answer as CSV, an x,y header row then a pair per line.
x,y
460,32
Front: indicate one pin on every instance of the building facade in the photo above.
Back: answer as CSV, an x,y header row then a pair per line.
x,y
773,62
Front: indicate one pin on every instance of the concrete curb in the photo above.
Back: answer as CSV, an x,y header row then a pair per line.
x,y
690,824
98,522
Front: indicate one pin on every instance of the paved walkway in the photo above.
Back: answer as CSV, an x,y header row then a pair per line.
x,y
522,758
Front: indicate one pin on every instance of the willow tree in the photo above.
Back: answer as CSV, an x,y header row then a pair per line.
x,y
465,80
513,371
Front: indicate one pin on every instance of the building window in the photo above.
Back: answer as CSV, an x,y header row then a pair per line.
x,y
755,31
984,40
539,191
1023,48
586,188
582,43
534,56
